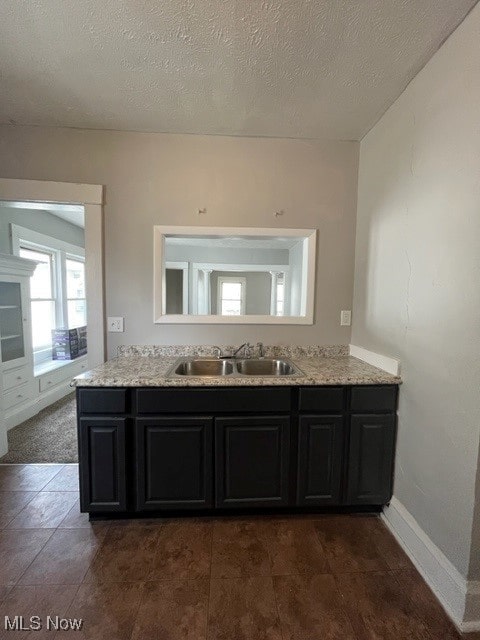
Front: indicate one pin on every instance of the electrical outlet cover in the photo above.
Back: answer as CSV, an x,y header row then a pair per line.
x,y
115,324
345,318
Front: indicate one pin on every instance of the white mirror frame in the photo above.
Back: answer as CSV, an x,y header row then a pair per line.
x,y
160,232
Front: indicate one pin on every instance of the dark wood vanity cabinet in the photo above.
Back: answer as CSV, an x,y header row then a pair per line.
x,y
173,463
165,449
320,460
252,461
370,458
102,458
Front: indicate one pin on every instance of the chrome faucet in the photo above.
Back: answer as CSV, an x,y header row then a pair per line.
x,y
217,351
246,346
261,350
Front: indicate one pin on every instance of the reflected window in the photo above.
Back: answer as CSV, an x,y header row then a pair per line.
x,y
231,296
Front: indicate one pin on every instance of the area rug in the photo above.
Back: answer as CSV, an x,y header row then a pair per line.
x,y
50,436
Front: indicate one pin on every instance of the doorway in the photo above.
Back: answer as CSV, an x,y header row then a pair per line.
x,y
46,254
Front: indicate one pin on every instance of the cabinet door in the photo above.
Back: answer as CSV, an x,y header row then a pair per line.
x,y
371,458
252,461
102,466
13,322
320,460
174,463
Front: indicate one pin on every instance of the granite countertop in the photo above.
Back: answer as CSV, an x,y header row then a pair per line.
x,y
134,368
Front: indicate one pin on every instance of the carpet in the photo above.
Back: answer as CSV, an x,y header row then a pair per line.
x,y
50,436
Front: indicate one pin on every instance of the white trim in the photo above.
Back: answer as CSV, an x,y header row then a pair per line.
x,y
449,586
309,261
169,230
472,608
42,240
43,191
217,266
390,365
304,295
14,265
197,319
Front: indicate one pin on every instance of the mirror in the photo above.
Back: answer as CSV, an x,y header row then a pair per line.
x,y
233,275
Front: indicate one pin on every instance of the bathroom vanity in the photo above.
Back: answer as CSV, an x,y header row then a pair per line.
x,y
152,442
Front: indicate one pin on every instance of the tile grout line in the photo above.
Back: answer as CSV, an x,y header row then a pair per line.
x,y
143,583
271,576
209,581
346,609
36,555
35,493
105,535
25,507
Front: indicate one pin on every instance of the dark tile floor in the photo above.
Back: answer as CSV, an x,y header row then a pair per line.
x,y
290,578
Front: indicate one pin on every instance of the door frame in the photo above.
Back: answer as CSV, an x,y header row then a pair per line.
x,y
91,197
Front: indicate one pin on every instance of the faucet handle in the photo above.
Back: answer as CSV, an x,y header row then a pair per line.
x,y
217,352
261,350
248,350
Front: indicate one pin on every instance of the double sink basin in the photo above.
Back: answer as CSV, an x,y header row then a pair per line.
x,y
232,367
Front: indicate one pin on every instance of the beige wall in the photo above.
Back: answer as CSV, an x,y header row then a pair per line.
x,y
164,179
417,285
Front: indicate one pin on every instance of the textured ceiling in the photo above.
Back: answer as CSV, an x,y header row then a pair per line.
x,y
293,68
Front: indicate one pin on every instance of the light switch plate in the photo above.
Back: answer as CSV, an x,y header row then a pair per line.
x,y
345,318
115,324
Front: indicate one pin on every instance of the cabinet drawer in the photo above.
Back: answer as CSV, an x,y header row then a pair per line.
x,y
373,399
63,374
17,396
322,399
100,401
245,400
16,377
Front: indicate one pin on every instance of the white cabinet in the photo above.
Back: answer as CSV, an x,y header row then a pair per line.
x,y
15,327
15,339
11,322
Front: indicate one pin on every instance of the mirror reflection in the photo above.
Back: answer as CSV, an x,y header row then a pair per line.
x,y
235,275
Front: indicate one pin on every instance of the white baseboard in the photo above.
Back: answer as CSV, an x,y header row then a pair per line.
x,y
472,608
390,365
3,438
460,598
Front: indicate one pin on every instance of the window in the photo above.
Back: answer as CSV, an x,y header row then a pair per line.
x,y
42,293
76,302
231,296
280,301
57,287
